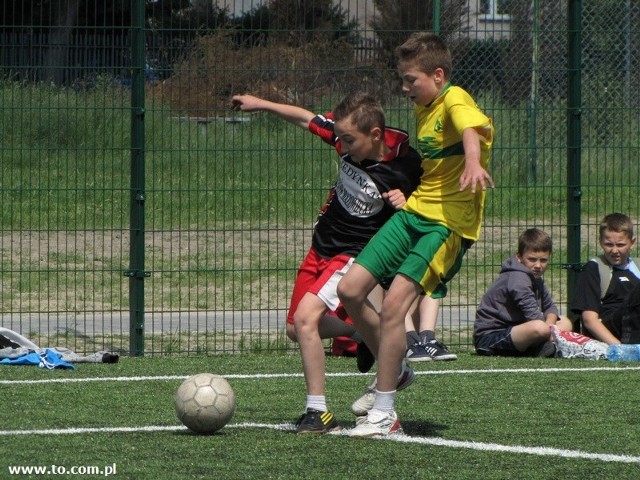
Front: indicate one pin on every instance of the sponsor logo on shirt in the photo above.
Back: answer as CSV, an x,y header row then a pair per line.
x,y
357,192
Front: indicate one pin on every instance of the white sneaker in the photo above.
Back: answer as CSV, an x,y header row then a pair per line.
x,y
364,402
575,345
377,423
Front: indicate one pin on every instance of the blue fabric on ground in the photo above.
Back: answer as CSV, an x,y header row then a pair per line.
x,y
47,359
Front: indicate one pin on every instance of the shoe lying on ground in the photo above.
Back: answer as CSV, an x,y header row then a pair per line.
x,y
544,350
426,352
364,402
314,421
575,345
364,358
377,423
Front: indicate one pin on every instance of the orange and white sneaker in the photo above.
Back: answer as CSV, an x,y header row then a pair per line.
x,y
377,424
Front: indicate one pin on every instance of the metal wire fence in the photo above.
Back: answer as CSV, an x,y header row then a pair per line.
x,y
137,204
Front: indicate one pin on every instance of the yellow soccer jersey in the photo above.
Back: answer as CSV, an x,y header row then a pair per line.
x,y
438,197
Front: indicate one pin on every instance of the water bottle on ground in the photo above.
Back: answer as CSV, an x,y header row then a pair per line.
x,y
624,353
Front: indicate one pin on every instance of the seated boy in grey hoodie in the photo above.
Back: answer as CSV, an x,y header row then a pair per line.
x,y
516,313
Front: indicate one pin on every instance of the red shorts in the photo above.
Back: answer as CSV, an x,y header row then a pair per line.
x,y
320,276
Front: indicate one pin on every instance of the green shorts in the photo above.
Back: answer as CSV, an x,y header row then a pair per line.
x,y
428,253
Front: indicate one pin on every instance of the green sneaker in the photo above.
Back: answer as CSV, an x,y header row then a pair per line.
x,y
313,421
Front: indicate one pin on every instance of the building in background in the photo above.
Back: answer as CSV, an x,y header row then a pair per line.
x,y
485,19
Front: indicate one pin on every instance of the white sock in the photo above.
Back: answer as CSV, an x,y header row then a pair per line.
x,y
384,401
317,402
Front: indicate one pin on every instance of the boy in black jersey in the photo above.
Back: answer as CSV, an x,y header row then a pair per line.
x,y
378,170
608,316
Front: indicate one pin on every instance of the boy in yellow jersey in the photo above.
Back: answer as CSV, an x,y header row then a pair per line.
x,y
421,247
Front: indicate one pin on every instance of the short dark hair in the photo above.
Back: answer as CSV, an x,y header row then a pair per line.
x,y
535,240
365,111
426,51
616,222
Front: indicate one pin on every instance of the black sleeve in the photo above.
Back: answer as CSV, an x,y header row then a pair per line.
x,y
587,290
407,173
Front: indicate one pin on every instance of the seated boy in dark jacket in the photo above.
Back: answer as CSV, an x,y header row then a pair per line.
x,y
516,313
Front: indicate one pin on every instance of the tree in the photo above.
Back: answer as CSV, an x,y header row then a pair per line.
x,y
296,23
194,15
55,21
64,15
396,19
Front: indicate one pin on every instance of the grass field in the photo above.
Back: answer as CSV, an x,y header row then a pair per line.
x,y
475,418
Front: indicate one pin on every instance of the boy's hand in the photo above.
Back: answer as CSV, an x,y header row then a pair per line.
x,y
395,198
473,175
291,113
246,103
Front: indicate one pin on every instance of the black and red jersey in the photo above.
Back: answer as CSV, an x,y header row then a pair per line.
x,y
355,210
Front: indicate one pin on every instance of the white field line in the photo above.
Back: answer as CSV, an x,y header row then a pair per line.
x,y
290,375
438,442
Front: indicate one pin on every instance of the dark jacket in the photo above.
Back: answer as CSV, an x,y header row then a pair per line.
x,y
514,298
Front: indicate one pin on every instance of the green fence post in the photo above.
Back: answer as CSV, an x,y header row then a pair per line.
x,y
136,271
532,175
574,136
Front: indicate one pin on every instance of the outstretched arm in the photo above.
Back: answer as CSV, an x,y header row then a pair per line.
x,y
296,115
473,171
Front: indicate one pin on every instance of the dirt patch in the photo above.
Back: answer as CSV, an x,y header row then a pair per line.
x,y
79,271
247,267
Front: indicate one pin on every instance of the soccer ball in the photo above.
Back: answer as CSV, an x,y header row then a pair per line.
x,y
205,403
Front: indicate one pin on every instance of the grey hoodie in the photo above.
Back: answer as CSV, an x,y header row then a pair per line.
x,y
514,298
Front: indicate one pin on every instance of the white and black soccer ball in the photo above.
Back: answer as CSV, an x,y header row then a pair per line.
x,y
205,403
